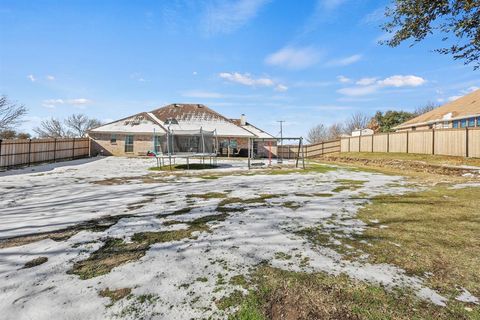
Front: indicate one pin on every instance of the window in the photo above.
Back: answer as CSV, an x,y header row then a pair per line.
x,y
471,122
463,123
478,121
113,138
129,143
455,124
446,125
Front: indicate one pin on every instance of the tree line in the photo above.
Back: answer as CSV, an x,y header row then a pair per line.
x,y
12,114
379,122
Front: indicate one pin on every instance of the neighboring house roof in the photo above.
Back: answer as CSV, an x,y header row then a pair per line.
x,y
464,107
139,123
196,116
188,117
256,131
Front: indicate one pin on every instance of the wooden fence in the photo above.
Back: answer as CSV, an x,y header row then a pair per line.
x,y
29,151
452,142
310,150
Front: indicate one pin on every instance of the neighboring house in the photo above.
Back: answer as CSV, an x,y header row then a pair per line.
x,y
146,131
460,113
362,132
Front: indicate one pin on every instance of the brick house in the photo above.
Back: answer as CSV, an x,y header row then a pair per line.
x,y
460,113
146,131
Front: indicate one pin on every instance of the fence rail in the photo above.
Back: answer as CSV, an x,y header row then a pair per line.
x,y
310,150
452,142
30,151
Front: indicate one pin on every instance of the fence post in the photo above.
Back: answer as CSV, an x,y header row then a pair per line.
x,y
1,152
407,141
373,136
323,146
73,149
388,142
433,141
29,150
348,144
466,141
55,150
360,142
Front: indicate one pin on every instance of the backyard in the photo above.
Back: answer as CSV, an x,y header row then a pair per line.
x,y
110,238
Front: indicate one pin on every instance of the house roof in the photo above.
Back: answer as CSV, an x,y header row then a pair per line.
x,y
138,123
196,116
256,131
466,106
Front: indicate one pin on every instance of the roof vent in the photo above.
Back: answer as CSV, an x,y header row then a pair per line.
x,y
199,105
176,105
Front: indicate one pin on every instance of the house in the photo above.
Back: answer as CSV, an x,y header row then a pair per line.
x,y
362,132
179,128
460,113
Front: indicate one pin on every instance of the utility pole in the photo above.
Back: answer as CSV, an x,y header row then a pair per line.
x,y
280,159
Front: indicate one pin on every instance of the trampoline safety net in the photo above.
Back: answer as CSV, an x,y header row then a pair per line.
x,y
186,141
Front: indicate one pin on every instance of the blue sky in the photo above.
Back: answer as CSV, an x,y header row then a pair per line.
x,y
305,62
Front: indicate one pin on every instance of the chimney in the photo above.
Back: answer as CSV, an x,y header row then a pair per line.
x,y
243,120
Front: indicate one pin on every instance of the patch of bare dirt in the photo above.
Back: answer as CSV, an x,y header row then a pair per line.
x,y
406,165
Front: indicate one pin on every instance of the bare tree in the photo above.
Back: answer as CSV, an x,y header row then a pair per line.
x,y
10,113
51,128
429,106
317,134
358,120
334,131
79,124
76,125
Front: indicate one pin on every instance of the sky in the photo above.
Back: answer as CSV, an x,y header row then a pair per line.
x,y
304,62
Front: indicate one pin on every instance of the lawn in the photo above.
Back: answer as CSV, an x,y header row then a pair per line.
x,y
112,239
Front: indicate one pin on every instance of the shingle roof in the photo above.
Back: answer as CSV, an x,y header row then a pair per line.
x,y
138,123
466,106
194,116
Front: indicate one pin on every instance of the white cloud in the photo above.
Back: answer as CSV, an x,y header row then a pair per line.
x,y
344,61
247,80
202,94
50,77
358,91
228,16
31,77
367,86
463,93
194,73
52,103
366,81
293,58
374,17
343,79
402,81
138,77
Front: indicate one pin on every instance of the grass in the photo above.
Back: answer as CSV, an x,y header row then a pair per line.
x,y
116,252
35,262
208,195
94,225
433,159
115,295
436,231
347,184
279,294
192,166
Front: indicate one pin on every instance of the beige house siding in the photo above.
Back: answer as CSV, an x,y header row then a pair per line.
x,y
101,144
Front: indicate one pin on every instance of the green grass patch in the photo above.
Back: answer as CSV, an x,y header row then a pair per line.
x,y
280,294
347,184
208,195
115,295
35,262
436,231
